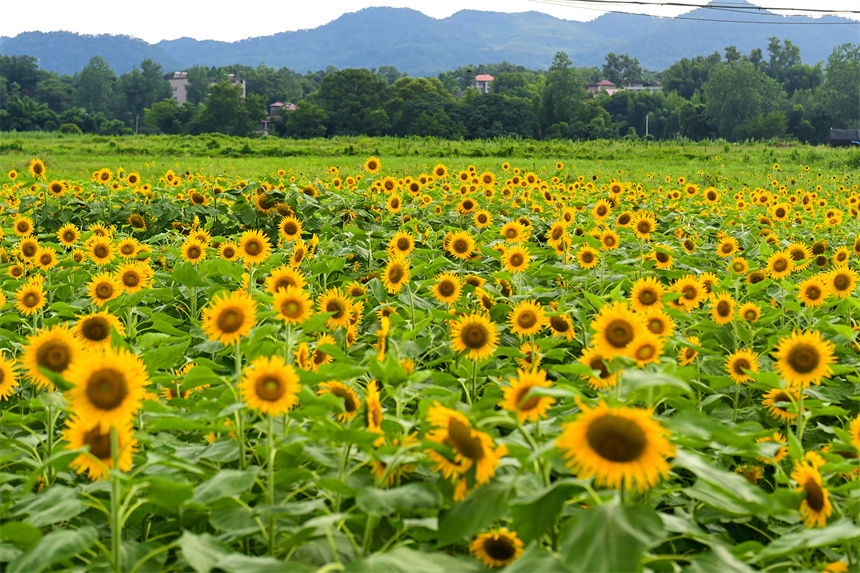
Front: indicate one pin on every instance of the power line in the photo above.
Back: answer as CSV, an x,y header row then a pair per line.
x,y
713,5
737,9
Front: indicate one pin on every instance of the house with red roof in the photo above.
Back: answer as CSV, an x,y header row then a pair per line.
x,y
482,83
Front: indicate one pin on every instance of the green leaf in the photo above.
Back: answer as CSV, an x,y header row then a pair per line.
x,y
535,558
185,274
413,496
842,531
403,560
199,376
56,546
537,513
168,493
719,560
201,552
55,504
165,356
226,483
609,538
638,380
238,563
476,512
20,533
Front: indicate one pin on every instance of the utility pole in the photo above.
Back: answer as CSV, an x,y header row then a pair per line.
x,y
136,117
647,116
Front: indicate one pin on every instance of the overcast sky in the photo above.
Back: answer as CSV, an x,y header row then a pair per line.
x,y
231,20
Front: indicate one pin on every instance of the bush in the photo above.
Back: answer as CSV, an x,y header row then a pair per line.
x,y
71,129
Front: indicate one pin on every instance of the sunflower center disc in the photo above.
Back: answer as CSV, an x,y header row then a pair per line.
x,y
841,282
446,288
741,364
813,293
403,244
54,355
474,336
814,495
194,253
600,366
803,358
95,329
781,397
253,248
100,251
230,320
104,291
131,279
269,389
558,324
290,228
106,388
619,333
336,308
468,445
647,296
291,308
526,319
30,300
529,404
395,274
348,401
723,308
517,260
616,439
690,292
499,549
99,443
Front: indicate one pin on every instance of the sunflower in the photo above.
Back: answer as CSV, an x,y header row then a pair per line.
x,y
516,395
644,223
100,250
587,257
482,218
45,258
320,357
374,410
739,266
228,251
30,297
254,247
193,251
779,265
351,403
646,294
94,329
293,305
394,203
401,245
854,432
687,355
727,246
692,293
290,229
516,259
616,327
8,377
813,291
229,317
749,311
82,434
447,288
531,356
527,318
36,167
54,349
842,281
474,334
23,226
800,254
107,387
497,548
646,349
592,358
372,165
270,386
69,234
804,358
470,447
740,364
722,308
772,400
601,210
513,232
561,327
460,245
284,277
128,248
335,301
617,446
103,288
658,322
28,247
134,276
816,507
396,274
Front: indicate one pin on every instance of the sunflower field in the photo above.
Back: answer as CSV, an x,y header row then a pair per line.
x,y
445,368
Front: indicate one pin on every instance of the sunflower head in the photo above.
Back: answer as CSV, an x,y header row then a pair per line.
x,y
475,335
497,548
270,386
229,317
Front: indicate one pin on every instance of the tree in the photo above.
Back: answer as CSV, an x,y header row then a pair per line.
x,y
143,87
94,86
306,121
21,70
493,115
841,97
687,76
739,93
169,117
197,88
621,69
353,99
782,58
26,114
563,94
226,111
54,92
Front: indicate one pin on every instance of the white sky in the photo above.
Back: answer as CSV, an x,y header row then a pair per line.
x,y
231,20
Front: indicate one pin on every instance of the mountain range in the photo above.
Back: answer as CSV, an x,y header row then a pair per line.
x,y
423,46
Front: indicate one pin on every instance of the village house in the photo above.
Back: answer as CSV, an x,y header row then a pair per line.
x,y
179,83
610,88
482,83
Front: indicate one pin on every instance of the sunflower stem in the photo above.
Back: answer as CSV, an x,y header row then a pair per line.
x,y
240,422
801,419
288,344
49,428
192,294
115,491
737,399
474,381
271,484
411,304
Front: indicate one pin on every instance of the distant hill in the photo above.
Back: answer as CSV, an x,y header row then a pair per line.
x,y
421,45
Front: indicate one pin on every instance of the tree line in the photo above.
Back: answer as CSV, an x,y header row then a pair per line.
x,y
761,95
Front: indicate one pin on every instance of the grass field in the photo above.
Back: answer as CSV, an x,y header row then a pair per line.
x,y
416,355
